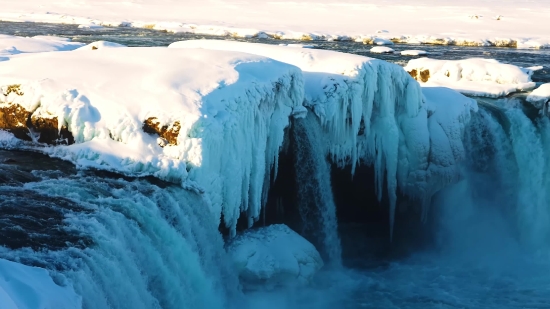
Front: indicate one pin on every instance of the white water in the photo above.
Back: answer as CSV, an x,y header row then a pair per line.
x,y
153,247
315,198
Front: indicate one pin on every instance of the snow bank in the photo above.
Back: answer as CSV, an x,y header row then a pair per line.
x,y
475,76
226,112
381,50
25,287
372,112
540,97
13,45
273,256
469,22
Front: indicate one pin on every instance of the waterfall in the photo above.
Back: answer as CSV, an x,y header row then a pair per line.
x,y
506,179
315,198
146,246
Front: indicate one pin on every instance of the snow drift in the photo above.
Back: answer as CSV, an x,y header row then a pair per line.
x,y
475,76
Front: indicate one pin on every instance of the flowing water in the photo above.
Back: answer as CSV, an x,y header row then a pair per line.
x,y
141,243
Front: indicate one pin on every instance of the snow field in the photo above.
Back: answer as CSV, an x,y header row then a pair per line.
x,y
470,22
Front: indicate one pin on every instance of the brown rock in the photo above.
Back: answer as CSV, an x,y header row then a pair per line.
x,y
15,119
21,122
423,76
49,133
170,133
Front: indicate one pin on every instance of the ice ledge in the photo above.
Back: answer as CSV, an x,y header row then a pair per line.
x,y
230,110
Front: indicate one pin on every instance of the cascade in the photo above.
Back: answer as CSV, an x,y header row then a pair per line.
x,y
506,177
314,197
145,246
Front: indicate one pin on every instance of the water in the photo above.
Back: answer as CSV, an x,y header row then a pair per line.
x,y
493,235
122,242
315,198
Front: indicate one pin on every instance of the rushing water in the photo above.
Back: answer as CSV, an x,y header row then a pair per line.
x,y
141,243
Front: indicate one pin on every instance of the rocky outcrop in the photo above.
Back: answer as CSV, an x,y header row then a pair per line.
x,y
168,133
24,125
422,76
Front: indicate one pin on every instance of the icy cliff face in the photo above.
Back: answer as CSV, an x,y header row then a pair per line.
x,y
373,112
215,119
228,111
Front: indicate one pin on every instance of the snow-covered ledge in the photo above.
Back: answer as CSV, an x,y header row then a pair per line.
x,y
214,119
374,113
474,76
273,256
224,113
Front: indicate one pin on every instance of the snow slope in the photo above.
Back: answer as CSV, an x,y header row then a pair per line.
x,y
373,112
231,109
469,22
26,287
474,76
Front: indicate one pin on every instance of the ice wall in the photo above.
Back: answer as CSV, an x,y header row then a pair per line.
x,y
230,110
373,112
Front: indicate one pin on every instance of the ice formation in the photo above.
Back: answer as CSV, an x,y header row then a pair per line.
x,y
475,76
273,256
373,112
230,109
26,287
540,97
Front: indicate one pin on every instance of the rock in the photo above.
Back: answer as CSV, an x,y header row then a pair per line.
x,y
25,125
15,119
422,76
168,132
273,256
